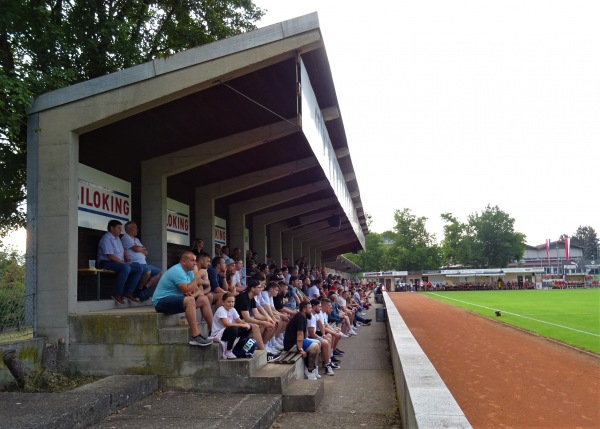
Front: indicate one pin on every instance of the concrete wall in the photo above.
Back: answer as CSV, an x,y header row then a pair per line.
x,y
29,353
423,398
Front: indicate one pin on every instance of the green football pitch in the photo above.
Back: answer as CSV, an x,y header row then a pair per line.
x,y
571,316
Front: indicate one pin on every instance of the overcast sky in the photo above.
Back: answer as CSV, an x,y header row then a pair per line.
x,y
453,105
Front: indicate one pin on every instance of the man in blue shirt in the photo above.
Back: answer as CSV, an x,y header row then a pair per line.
x,y
112,256
179,290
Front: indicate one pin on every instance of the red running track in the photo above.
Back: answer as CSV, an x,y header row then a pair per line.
x,y
500,376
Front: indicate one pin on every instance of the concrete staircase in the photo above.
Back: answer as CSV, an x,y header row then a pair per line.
x,y
140,341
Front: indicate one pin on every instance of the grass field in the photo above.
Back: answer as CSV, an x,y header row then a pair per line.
x,y
570,315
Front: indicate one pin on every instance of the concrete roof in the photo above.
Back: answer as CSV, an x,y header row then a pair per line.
x,y
183,103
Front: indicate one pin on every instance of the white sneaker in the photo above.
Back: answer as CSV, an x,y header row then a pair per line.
x,y
316,372
352,332
310,375
229,355
272,351
279,341
277,346
344,335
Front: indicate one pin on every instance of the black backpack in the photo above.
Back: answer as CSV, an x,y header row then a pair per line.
x,y
245,348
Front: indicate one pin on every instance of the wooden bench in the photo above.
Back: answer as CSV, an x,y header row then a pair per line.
x,y
288,358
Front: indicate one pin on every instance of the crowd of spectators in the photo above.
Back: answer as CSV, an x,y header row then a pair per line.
x,y
287,308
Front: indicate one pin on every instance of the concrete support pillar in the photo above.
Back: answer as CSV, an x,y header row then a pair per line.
x,y
306,251
313,256
204,221
297,243
287,247
259,239
154,215
318,254
54,211
276,246
236,228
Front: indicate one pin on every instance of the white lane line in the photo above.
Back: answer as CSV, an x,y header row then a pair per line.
x,y
518,315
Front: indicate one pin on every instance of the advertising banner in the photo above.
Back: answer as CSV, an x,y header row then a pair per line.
x,y
178,222
102,197
220,231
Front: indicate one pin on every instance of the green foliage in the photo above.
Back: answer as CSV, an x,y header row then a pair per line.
x,y
372,258
12,289
587,238
413,247
408,247
487,240
50,44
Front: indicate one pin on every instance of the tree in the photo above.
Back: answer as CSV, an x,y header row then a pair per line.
x,y
50,44
12,289
372,258
412,247
487,240
586,237
452,244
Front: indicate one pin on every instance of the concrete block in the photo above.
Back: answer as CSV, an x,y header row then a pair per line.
x,y
174,335
106,328
303,395
274,378
123,390
163,360
423,398
243,367
29,353
60,410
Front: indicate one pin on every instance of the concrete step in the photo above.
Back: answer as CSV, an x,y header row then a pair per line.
x,y
243,367
141,341
79,407
303,395
268,379
130,326
179,334
198,410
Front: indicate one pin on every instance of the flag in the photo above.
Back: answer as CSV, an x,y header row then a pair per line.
x,y
548,249
567,248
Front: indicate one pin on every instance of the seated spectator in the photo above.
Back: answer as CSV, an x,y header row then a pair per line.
x,y
313,290
313,333
178,291
350,305
225,251
292,300
137,255
326,328
227,326
280,301
238,279
217,273
295,340
112,256
197,247
262,327
201,274
267,302
305,285
236,253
